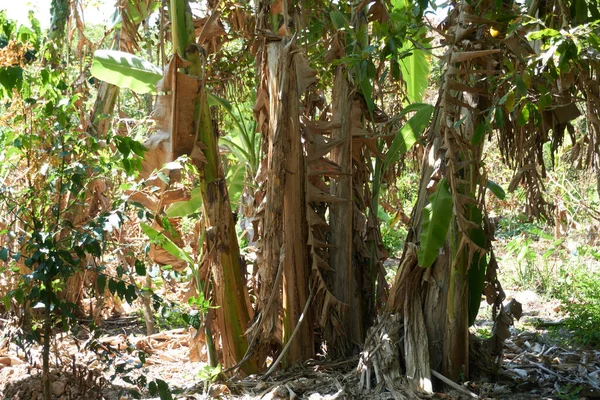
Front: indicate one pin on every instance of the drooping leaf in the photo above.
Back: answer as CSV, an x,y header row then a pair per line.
x,y
215,100
338,19
477,269
140,268
126,71
436,219
185,208
235,184
160,239
101,283
415,71
543,33
4,254
11,77
163,390
496,189
382,215
499,117
409,133
523,117
479,133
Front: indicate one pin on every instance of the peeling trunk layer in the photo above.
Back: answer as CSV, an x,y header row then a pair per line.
x,y
101,118
273,237
295,268
345,287
435,306
284,251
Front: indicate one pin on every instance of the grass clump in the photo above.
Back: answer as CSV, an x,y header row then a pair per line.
x,y
581,304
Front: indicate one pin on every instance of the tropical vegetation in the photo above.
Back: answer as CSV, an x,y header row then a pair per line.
x,y
292,128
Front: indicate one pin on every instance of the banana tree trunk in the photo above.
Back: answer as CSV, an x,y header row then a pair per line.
x,y
432,286
285,236
345,286
282,179
296,270
189,96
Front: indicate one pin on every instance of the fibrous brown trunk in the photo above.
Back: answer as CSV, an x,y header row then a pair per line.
x,y
434,301
345,286
284,240
296,270
283,259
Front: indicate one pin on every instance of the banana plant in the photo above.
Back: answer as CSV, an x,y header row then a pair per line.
x,y
221,240
128,71
223,251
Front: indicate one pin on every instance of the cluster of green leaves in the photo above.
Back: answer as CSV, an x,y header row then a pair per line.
x,y
123,369
243,143
582,306
48,166
393,235
562,51
11,74
60,163
387,44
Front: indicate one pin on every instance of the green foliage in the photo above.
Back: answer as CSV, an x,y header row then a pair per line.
x,y
527,271
160,239
409,133
582,307
577,286
126,70
393,238
243,143
161,388
185,208
436,219
49,168
208,373
478,267
496,190
415,69
137,12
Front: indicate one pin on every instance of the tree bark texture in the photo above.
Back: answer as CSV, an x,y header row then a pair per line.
x,y
345,287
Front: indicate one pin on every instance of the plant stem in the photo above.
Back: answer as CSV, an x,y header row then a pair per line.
x,y
46,349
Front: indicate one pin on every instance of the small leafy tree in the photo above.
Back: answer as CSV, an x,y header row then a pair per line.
x,y
54,225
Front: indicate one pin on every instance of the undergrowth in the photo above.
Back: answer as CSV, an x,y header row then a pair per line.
x,y
564,268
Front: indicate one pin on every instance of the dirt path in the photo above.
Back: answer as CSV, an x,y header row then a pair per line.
x,y
535,366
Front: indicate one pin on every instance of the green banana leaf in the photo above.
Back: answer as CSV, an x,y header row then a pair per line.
x,y
160,239
409,133
496,189
415,71
185,208
138,11
436,219
477,269
126,71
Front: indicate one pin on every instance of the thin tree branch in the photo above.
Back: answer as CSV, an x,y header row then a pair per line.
x,y
454,385
288,344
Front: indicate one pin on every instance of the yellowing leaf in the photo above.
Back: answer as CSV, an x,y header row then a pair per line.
x,y
510,101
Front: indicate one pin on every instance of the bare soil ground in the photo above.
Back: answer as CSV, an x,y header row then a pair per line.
x,y
535,366
538,363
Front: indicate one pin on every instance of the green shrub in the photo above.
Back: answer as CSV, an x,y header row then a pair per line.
x,y
581,302
393,238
